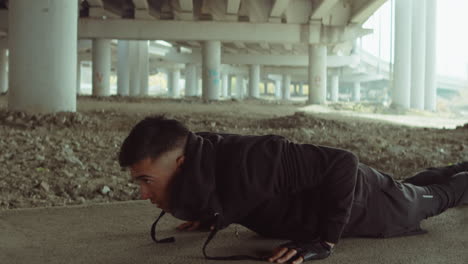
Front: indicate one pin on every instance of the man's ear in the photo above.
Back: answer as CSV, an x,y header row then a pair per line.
x,y
180,160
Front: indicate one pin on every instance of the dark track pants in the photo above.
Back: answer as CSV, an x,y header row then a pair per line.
x,y
397,208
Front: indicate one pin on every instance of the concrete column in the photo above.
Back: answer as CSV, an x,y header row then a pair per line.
x,y
224,90
239,87
334,88
211,61
191,79
43,53
230,85
278,89
430,93
101,67
418,54
144,68
78,77
286,90
123,69
254,81
357,92
265,87
402,74
301,89
3,71
317,74
174,83
135,78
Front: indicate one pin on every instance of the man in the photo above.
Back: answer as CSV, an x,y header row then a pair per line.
x,y
311,195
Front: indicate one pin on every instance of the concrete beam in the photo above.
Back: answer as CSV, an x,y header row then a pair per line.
x,y
186,5
141,4
96,3
189,30
365,11
279,6
272,60
233,6
323,9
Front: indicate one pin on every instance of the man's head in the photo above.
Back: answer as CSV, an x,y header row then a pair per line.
x,y
154,152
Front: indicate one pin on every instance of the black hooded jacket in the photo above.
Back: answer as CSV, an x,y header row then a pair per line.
x,y
269,184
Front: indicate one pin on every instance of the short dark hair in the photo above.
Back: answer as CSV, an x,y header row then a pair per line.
x,y
150,138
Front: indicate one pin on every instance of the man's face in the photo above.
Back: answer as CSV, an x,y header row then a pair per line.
x,y
155,175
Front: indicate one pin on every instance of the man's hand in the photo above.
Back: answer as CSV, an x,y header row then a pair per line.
x,y
297,252
189,226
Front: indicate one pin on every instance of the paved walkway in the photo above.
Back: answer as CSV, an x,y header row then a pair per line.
x,y
119,233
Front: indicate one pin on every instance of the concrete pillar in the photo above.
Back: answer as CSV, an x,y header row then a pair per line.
x,y
317,71
224,89
430,93
265,87
278,89
3,71
144,68
191,80
101,67
43,53
254,81
230,85
402,72
301,89
357,92
78,77
211,61
286,90
335,88
135,78
239,87
174,83
123,69
418,54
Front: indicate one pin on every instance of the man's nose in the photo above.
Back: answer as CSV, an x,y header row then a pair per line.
x,y
144,193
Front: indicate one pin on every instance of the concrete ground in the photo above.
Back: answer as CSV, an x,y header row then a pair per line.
x,y
119,233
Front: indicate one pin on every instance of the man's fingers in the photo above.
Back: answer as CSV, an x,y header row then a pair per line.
x,y
184,225
298,261
194,226
291,253
277,253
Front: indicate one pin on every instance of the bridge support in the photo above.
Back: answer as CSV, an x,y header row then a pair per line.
x,y
418,53
254,81
135,78
224,88
239,87
123,70
101,67
211,61
43,54
191,79
430,93
334,88
286,90
317,72
144,68
278,89
3,71
173,83
401,85
357,92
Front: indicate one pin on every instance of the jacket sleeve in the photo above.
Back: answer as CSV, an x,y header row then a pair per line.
x,y
337,187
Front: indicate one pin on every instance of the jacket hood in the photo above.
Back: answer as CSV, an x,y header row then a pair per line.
x,y
193,195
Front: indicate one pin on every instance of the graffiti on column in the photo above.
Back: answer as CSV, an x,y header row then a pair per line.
x,y
214,75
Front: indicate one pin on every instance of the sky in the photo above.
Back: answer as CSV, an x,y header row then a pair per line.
x,y
452,36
